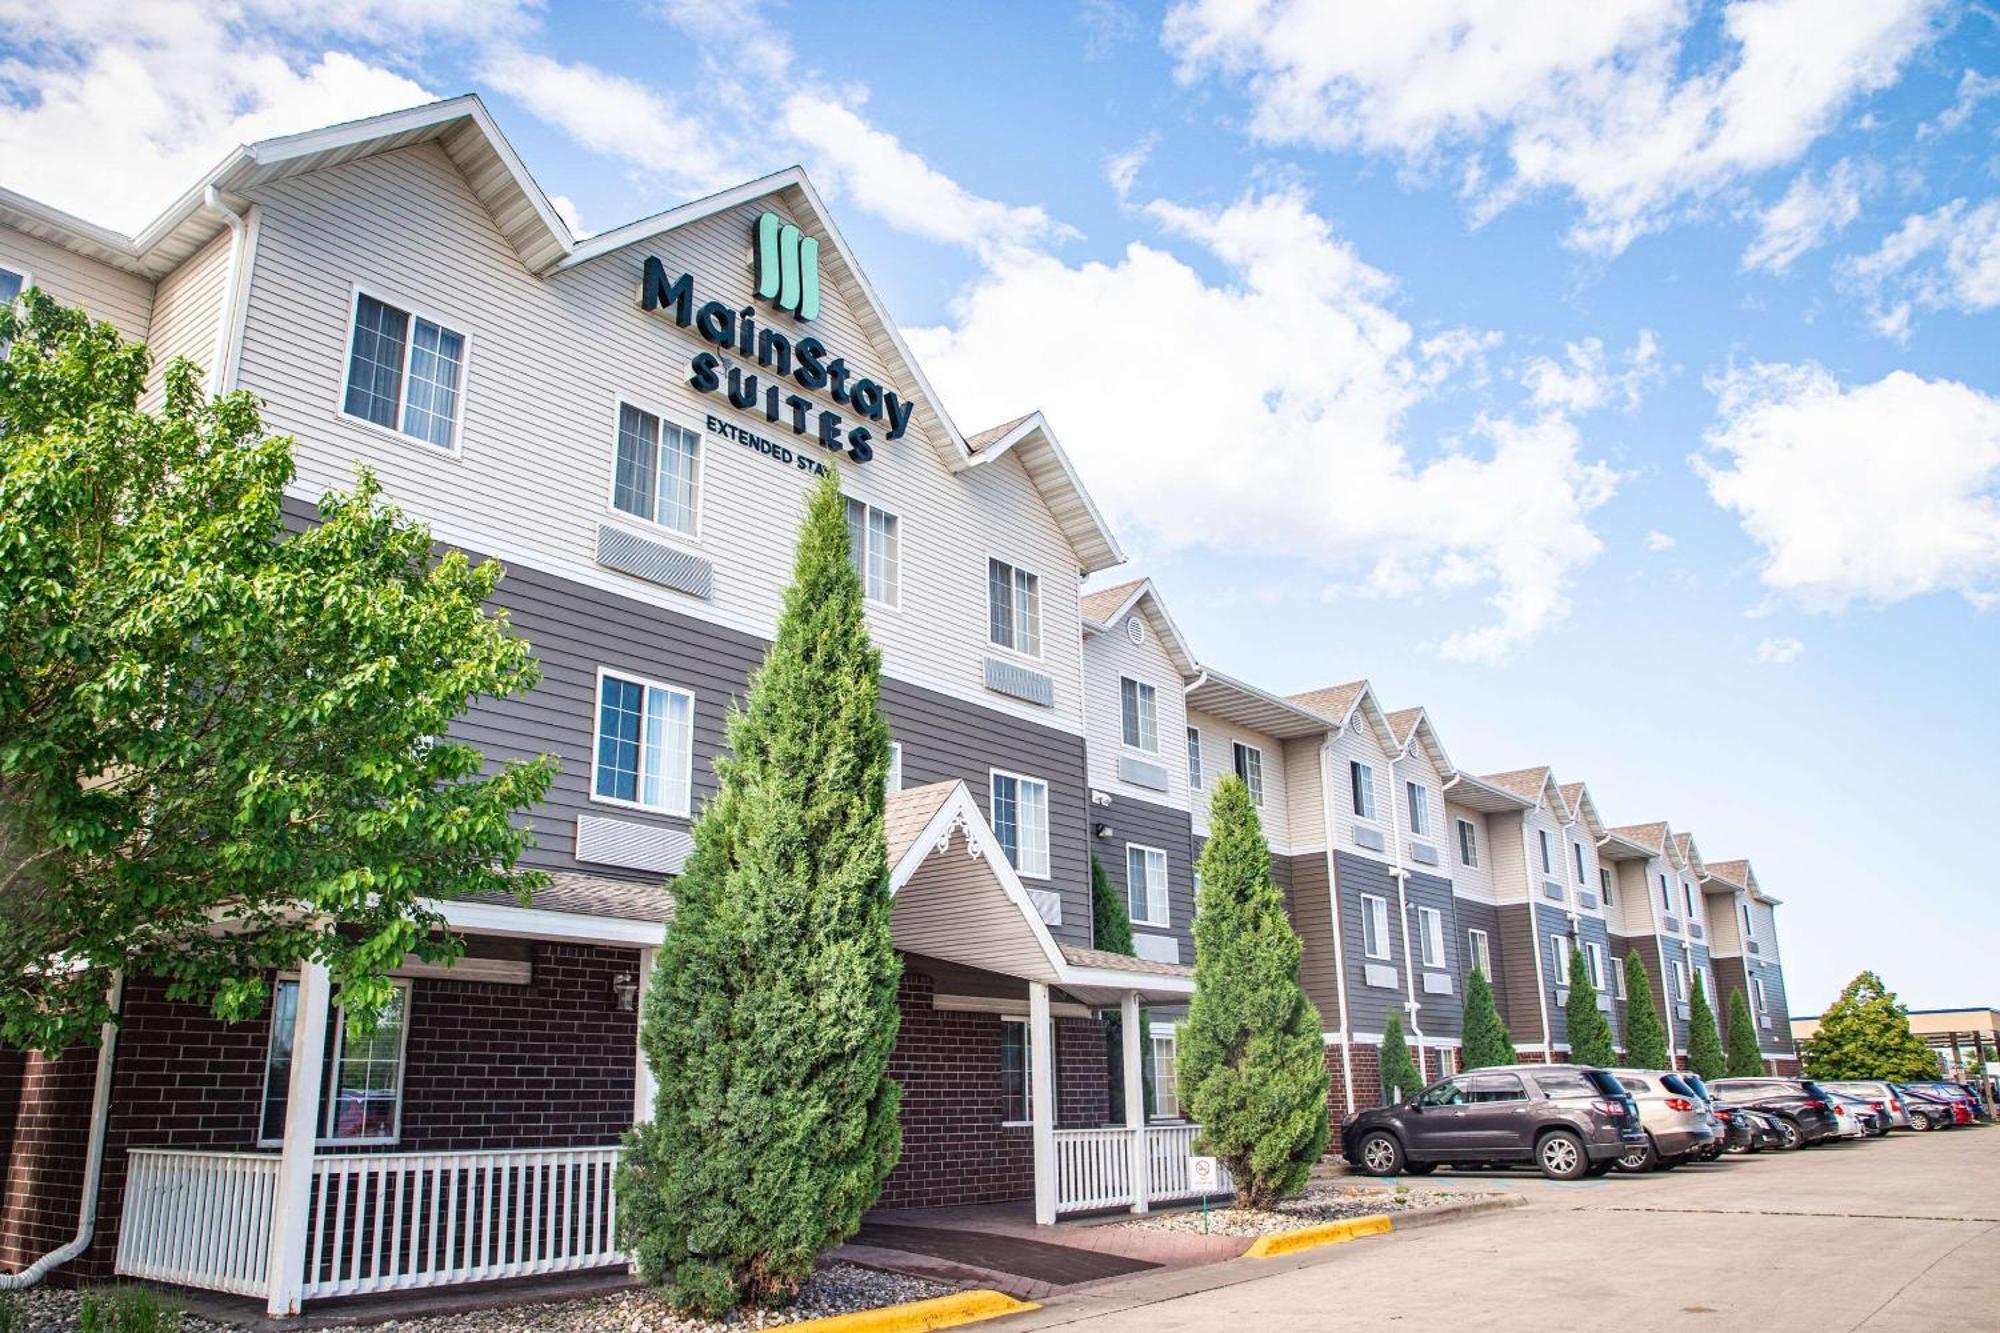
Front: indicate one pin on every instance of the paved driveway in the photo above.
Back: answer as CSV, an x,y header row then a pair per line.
x,y
1900,1233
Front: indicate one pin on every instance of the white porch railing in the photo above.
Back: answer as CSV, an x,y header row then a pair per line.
x,y
1093,1167
377,1221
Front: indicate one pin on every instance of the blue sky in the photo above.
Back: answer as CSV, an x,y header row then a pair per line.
x,y
1617,379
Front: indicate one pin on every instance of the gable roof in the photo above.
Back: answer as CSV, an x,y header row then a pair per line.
x,y
1537,786
1577,797
1463,789
467,133
1410,725
1340,704
1652,837
1689,854
1104,608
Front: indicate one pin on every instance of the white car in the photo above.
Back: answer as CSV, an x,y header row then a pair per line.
x,y
1876,1092
1850,1124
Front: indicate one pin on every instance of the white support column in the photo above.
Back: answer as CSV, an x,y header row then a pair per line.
x,y
1135,1098
285,1278
1042,1084
645,1088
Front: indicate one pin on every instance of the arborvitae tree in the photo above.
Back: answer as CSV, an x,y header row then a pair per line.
x,y
1645,1033
1111,927
1704,1042
1590,1037
1866,1034
1486,1041
772,1011
1745,1059
1252,1065
1401,1079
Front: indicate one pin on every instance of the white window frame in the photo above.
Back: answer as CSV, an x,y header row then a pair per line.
x,y
1604,885
1375,921
416,311
330,1084
652,526
1576,849
1163,902
1194,757
1680,974
1468,844
1687,898
893,780
895,598
1666,897
1021,850
1593,957
1480,949
1027,1071
27,281
1144,697
1559,960
646,686
1361,789
1749,923
1237,750
1618,978
1542,837
1430,936
1013,628
1166,1076
1758,999
1418,800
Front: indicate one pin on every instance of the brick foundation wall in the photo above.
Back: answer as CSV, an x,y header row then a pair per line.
x,y
1367,1062
45,1128
1784,1066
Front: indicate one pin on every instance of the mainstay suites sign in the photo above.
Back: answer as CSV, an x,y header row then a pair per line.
x,y
761,369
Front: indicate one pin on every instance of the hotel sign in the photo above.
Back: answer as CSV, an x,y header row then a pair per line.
x,y
760,368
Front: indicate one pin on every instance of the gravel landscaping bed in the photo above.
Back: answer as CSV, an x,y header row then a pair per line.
x,y
835,1289
1322,1201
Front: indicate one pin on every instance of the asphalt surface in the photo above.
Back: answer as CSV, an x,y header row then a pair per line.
x,y
1892,1234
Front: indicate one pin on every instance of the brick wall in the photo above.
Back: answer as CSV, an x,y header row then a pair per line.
x,y
948,1061
1367,1062
44,1127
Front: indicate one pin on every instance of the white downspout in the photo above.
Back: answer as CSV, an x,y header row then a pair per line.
x,y
93,1162
1411,1004
222,370
1333,904
1529,861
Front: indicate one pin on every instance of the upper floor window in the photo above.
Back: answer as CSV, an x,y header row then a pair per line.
x,y
1139,707
1749,930
654,476
1250,767
645,744
1468,843
1014,608
1680,981
1604,883
1559,958
12,284
1021,822
875,544
1361,782
1593,958
1481,952
1430,923
1146,884
1548,862
1420,809
1577,849
1194,758
1758,1000
1687,897
1374,926
1666,896
404,372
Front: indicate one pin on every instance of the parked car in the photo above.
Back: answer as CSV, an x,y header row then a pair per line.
x,y
1883,1094
1965,1107
1764,1125
1981,1107
1799,1106
1925,1110
1723,1126
1679,1126
1568,1121
1871,1118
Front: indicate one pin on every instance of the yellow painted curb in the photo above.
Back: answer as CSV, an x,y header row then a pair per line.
x,y
1306,1238
961,1307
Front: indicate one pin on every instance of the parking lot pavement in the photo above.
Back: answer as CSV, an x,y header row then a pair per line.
x,y
1901,1233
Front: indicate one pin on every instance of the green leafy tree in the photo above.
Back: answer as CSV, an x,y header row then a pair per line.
x,y
1401,1078
772,1011
202,718
1487,1043
1745,1059
1252,1067
1866,1034
1591,1041
1111,926
1705,1055
1645,1031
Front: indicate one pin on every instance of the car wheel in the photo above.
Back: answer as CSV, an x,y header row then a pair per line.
x,y
1560,1155
1642,1158
1920,1120
1789,1132
1380,1154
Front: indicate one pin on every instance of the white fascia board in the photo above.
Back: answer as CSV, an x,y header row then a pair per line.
x,y
539,924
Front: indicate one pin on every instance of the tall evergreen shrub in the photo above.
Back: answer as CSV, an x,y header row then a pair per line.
x,y
1111,931
772,1011
1704,1042
1486,1041
1745,1058
1401,1079
1645,1032
1252,1068
1590,1036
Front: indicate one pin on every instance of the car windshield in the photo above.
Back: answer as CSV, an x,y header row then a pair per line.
x,y
1813,1089
1679,1083
1604,1083
1700,1088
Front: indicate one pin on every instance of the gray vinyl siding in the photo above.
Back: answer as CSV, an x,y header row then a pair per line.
x,y
1474,915
1368,1007
1518,941
1440,1015
1730,978
1591,929
1621,1010
1312,918
1170,830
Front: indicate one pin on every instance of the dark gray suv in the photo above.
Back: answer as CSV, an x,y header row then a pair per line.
x,y
1568,1120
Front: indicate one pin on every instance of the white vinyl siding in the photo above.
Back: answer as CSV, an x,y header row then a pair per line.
x,y
656,471
1139,713
1014,608
1468,844
874,544
1430,922
1481,952
1146,882
1375,926
124,300
1021,822
1249,762
405,372
644,750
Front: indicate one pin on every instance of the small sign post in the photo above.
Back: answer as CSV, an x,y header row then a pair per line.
x,y
1203,1173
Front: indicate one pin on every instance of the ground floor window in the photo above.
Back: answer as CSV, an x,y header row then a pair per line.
x,y
1166,1082
1017,1072
363,1081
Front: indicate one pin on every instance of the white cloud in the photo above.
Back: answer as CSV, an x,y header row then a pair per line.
x,y
1122,169
1948,258
565,208
1659,541
1586,380
1634,108
1264,413
1874,493
1813,210
1779,650
1973,89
